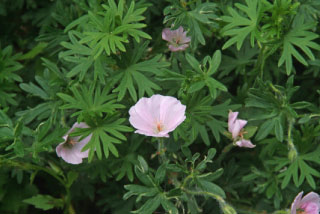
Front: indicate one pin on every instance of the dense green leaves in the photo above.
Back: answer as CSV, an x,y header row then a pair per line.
x,y
108,30
240,27
300,37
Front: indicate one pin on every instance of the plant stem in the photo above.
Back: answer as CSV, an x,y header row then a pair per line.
x,y
161,150
214,196
292,149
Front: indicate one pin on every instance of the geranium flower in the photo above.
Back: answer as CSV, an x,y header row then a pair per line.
x,y
157,116
235,127
70,149
309,204
178,40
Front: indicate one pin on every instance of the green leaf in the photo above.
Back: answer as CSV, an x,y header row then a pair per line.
x,y
215,62
194,63
239,27
212,188
298,37
250,131
71,177
44,202
161,173
278,130
150,206
265,129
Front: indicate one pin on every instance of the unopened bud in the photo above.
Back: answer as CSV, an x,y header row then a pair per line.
x,y
293,154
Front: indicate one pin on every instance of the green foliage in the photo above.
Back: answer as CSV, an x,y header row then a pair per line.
x,y
299,170
49,108
109,29
44,202
91,61
299,36
240,27
134,74
8,66
197,16
158,193
273,106
90,102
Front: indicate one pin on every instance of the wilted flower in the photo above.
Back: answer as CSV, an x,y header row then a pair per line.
x,y
235,126
309,204
178,40
157,116
70,149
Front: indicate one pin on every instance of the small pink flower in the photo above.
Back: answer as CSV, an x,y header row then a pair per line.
x,y
157,116
309,204
235,127
70,149
178,40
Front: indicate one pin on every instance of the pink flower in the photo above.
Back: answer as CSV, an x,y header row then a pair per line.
x,y
70,149
157,116
178,40
235,127
309,204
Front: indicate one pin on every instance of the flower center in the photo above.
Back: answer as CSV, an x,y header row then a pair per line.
x,y
159,127
70,142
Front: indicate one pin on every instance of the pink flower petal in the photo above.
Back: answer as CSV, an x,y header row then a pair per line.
x,y
310,208
310,204
167,34
72,152
231,120
178,48
245,143
157,116
296,203
311,197
242,123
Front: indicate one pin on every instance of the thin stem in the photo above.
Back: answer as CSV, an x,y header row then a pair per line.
x,y
214,196
292,149
161,150
27,166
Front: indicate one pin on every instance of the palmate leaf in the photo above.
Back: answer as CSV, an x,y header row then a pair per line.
x,y
203,74
299,170
46,89
239,27
8,66
92,101
298,37
107,31
82,56
135,76
109,132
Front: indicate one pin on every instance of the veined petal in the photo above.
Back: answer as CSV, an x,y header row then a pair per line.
x,y
158,116
245,143
231,120
70,149
296,203
167,34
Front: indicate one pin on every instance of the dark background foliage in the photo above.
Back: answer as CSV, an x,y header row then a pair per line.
x,y
260,58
